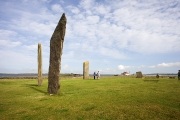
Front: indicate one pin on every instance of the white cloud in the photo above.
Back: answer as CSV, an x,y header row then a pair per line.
x,y
145,30
151,66
127,28
31,47
47,1
111,53
163,65
106,71
16,60
102,9
87,4
7,43
24,0
61,1
6,33
105,61
57,8
122,67
69,54
92,19
33,26
41,22
73,9
142,66
120,31
7,39
169,64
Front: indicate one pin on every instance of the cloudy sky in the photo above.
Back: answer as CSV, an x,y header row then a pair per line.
x,y
114,36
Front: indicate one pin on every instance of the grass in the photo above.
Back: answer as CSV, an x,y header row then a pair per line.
x,y
109,98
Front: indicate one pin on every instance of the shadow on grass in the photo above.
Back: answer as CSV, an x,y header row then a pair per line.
x,y
36,88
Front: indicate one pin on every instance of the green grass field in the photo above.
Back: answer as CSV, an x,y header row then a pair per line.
x,y
109,98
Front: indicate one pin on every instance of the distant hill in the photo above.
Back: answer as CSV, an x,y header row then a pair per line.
x,y
33,75
20,75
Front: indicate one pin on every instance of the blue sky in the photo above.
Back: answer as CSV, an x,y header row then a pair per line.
x,y
114,36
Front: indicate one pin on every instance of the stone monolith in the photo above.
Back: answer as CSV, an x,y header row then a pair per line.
x,y
56,47
86,70
39,64
139,74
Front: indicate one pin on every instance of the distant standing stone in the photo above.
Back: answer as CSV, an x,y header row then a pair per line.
x,y
139,74
56,47
86,70
39,64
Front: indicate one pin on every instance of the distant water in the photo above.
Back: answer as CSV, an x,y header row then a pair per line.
x,y
103,74
162,74
20,75
153,74
35,75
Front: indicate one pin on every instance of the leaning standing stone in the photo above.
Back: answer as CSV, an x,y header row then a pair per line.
x,y
56,47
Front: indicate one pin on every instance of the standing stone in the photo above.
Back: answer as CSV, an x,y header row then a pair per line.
x,y
39,64
86,70
56,47
139,74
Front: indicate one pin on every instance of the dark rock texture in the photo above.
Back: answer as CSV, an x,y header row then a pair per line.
x,y
56,47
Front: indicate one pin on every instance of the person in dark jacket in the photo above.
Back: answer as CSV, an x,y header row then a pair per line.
x,y
179,75
94,75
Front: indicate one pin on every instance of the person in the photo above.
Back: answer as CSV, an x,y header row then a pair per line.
x,y
94,75
179,75
157,75
98,75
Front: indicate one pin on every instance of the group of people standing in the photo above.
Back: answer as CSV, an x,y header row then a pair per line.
x,y
97,74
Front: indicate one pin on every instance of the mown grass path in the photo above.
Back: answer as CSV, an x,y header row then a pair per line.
x,y
109,98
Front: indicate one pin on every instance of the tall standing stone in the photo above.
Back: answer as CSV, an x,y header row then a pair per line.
x,y
56,47
39,64
86,70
